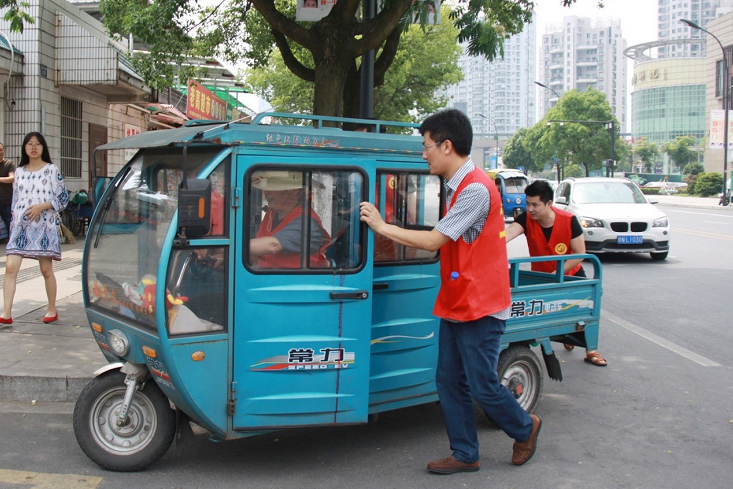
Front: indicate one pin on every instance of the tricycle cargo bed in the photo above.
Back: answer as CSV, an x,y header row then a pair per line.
x,y
550,306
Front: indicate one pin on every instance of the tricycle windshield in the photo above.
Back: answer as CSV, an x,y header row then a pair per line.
x,y
515,185
125,243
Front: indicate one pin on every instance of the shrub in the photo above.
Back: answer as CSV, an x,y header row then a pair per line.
x,y
708,184
693,169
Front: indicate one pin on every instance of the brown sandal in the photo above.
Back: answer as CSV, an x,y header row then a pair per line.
x,y
596,359
568,346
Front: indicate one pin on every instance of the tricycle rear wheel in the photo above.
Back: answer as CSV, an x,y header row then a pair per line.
x,y
142,441
520,371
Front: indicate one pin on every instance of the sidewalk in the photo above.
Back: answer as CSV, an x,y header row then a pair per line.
x,y
710,203
53,362
47,362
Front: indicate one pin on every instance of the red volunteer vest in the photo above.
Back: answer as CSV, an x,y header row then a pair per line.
x,y
291,260
559,243
475,277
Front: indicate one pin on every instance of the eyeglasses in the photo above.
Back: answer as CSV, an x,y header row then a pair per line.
x,y
437,143
33,145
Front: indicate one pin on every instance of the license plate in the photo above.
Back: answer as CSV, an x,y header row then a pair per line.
x,y
630,240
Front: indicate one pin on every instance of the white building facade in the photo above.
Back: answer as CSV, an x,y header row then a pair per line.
x,y
669,27
582,53
66,76
498,96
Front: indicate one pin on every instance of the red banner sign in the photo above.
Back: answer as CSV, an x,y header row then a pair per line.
x,y
202,104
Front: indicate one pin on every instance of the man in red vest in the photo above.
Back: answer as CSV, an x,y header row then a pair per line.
x,y
551,231
474,298
278,240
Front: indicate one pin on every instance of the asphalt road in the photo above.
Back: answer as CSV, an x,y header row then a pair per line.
x,y
659,416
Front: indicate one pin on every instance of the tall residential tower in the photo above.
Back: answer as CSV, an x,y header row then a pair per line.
x,y
669,27
582,53
499,96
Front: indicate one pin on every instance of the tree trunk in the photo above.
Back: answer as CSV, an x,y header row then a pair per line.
x,y
352,94
329,89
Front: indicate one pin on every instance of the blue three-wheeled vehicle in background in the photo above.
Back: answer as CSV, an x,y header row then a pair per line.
x,y
203,321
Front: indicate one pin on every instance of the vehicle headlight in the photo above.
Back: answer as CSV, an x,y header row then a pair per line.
x,y
662,222
518,200
589,222
118,342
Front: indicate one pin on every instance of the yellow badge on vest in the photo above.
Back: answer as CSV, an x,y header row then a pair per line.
x,y
561,248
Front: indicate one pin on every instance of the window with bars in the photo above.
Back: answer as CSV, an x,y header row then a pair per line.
x,y
71,138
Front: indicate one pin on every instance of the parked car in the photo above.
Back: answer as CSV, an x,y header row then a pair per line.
x,y
552,183
615,215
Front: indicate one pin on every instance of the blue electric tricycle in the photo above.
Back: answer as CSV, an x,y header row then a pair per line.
x,y
511,184
202,323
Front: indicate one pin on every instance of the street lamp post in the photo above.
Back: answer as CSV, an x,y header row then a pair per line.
x,y
726,105
548,88
557,164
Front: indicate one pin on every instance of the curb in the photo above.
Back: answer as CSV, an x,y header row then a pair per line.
x,y
41,388
702,207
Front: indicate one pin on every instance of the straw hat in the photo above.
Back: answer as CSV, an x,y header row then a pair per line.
x,y
281,180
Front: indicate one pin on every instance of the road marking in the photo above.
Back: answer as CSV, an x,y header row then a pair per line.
x,y
702,233
683,352
701,213
39,480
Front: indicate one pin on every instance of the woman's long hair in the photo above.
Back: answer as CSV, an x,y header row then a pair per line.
x,y
45,155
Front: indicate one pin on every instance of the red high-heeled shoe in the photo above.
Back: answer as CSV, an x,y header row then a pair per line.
x,y
6,321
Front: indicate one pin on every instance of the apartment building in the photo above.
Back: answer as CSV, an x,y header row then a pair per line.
x,y
498,96
582,53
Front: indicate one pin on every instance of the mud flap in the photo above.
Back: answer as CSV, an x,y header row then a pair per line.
x,y
554,371
184,432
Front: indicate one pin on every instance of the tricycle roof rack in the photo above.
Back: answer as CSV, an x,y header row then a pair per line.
x,y
295,135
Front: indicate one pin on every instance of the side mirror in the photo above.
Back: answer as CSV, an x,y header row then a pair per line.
x,y
194,207
561,200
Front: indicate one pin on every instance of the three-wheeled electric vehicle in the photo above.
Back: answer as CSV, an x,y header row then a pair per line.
x,y
511,185
229,282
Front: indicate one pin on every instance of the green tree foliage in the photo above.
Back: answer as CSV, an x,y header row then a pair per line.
x,y
693,169
708,184
324,53
680,152
574,171
516,154
647,152
16,14
425,62
580,143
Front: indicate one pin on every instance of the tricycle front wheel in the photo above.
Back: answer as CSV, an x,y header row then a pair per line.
x,y
137,444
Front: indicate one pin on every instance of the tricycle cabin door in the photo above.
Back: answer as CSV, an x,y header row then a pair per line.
x,y
302,294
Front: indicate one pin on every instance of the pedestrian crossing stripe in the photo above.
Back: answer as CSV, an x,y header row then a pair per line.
x,y
39,480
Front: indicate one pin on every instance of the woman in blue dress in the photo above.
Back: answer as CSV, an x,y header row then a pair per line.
x,y
39,195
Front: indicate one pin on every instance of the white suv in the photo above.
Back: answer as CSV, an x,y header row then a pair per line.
x,y
615,215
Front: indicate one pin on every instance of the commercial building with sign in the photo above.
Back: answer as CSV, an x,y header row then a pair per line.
x,y
668,95
722,27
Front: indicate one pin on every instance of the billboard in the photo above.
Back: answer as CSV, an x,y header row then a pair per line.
x,y
717,124
202,104
315,10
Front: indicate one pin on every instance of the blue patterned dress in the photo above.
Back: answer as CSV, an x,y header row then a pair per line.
x,y
33,239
